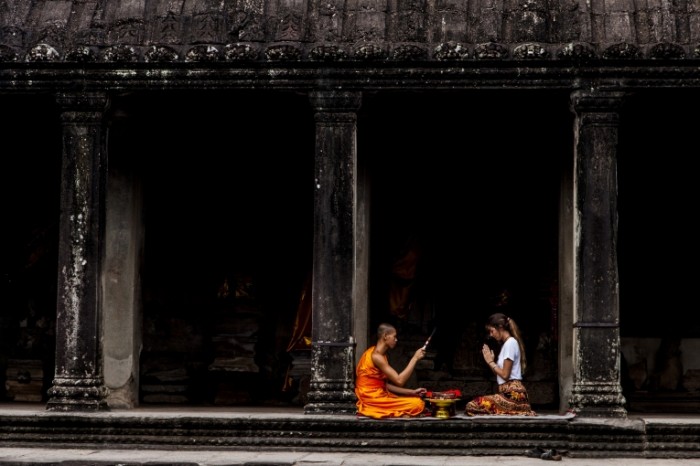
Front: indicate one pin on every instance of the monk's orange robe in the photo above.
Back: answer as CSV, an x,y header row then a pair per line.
x,y
373,398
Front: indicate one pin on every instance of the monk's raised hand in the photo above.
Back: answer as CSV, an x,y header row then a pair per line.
x,y
420,354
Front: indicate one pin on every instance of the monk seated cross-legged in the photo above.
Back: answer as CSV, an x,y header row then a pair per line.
x,y
380,388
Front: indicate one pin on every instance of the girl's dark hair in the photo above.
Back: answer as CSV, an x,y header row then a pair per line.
x,y
502,321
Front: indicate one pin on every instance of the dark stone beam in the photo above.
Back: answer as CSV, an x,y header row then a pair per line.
x,y
526,74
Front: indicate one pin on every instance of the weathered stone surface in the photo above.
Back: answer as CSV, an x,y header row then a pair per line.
x,y
53,30
509,436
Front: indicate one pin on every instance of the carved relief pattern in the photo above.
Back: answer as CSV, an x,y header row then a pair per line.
x,y
526,51
576,51
160,54
327,53
369,19
81,54
490,50
167,29
329,21
651,22
486,25
526,21
92,36
409,53
283,53
7,54
495,29
666,50
119,54
203,53
411,21
240,52
289,25
12,36
369,52
53,33
451,51
246,22
449,22
622,50
206,28
42,52
127,31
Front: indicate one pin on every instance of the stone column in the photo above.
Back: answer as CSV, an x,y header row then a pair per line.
x,y
121,266
332,388
596,391
78,384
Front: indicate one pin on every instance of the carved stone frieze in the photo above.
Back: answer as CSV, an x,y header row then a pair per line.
x,y
451,51
203,53
530,51
53,32
167,29
120,54
288,25
622,50
366,21
576,51
12,36
95,36
327,53
526,22
126,31
666,50
246,21
283,52
449,21
80,54
329,21
42,52
409,52
207,28
365,30
160,53
411,27
7,54
240,52
369,52
490,51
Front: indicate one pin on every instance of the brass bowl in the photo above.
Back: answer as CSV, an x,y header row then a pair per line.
x,y
443,405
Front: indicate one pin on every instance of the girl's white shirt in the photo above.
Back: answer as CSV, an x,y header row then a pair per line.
x,y
510,350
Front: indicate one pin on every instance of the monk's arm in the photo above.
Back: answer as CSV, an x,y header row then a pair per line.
x,y
398,379
401,391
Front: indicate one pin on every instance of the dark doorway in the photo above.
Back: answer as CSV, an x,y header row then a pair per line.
x,y
30,190
228,217
466,185
659,324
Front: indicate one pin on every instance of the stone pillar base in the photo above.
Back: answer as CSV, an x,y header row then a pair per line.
x,y
78,395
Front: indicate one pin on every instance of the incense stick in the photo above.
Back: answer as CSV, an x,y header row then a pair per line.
x,y
429,338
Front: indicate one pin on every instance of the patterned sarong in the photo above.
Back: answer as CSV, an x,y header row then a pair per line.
x,y
510,399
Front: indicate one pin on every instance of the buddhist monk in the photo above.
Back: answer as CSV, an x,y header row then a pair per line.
x,y
380,388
